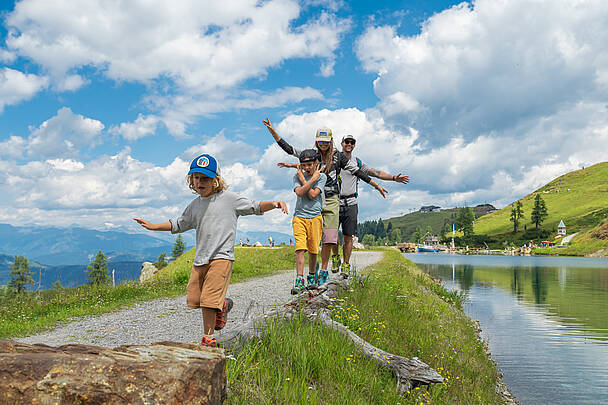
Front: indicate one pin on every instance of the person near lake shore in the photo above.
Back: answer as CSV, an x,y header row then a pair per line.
x,y
214,214
308,184
332,163
349,208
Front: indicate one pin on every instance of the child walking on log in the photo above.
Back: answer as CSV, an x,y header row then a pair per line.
x,y
214,215
307,220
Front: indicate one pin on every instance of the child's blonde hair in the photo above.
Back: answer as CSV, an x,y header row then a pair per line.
x,y
218,183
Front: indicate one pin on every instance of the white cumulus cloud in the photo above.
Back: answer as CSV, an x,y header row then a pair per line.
x,y
198,45
489,65
16,86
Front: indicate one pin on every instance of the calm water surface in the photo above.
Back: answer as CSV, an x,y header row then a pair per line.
x,y
545,320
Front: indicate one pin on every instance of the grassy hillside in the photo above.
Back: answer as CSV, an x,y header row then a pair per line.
x,y
593,242
436,220
579,198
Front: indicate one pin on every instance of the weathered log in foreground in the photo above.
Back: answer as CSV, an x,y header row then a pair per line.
x,y
314,304
161,373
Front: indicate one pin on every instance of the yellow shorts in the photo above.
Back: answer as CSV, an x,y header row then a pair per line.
x,y
307,233
208,284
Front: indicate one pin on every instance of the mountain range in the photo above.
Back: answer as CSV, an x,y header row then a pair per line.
x,y
64,253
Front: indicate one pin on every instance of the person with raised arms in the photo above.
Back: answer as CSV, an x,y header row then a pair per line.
x,y
332,163
349,208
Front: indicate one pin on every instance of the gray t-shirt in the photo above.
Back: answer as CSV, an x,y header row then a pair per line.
x,y
350,184
305,207
214,219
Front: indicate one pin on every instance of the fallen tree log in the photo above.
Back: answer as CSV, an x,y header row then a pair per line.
x,y
314,304
160,373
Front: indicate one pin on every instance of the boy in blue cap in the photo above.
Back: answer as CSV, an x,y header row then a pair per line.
x,y
214,215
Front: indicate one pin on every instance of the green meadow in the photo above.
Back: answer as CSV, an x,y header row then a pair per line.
x,y
579,198
28,313
396,308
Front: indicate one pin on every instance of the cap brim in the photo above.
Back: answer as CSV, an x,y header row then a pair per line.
x,y
204,171
324,138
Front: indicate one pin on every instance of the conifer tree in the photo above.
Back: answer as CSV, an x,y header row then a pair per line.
x,y
517,214
178,247
380,231
20,274
539,212
161,262
464,221
98,270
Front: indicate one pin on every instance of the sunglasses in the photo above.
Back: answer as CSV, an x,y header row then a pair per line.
x,y
350,141
323,142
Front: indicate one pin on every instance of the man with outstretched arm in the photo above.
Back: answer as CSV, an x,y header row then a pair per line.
x,y
348,201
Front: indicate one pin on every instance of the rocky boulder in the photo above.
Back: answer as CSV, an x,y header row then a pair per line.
x,y
161,373
148,270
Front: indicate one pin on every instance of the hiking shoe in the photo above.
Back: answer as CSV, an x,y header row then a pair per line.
x,y
208,342
323,276
222,316
345,270
312,281
335,263
298,287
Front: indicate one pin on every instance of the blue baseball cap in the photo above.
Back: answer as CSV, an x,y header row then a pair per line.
x,y
205,164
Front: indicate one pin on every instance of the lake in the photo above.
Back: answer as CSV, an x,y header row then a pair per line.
x,y
545,320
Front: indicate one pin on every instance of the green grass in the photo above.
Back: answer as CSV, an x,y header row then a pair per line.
x,y
409,222
583,244
25,314
399,311
584,206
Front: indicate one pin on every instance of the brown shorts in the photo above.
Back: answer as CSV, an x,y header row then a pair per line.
x,y
208,284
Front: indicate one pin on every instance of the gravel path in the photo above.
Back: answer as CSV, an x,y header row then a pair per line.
x,y
170,318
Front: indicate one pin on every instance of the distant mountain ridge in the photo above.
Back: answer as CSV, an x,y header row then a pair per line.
x,y
76,246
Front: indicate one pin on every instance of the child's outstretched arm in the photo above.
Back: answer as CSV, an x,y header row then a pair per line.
x,y
270,205
165,226
290,165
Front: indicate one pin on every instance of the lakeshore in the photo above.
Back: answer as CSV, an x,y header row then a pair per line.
x,y
543,319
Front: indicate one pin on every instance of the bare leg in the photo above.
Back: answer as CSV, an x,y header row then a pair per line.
x,y
300,262
347,248
312,262
325,252
335,249
209,320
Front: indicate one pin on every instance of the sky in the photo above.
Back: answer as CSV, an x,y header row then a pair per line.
x,y
103,104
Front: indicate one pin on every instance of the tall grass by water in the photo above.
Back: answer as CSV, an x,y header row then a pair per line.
x,y
398,309
28,312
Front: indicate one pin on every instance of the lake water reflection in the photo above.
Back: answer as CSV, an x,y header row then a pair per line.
x,y
545,320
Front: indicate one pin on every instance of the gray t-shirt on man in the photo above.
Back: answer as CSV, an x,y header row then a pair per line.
x,y
349,185
214,219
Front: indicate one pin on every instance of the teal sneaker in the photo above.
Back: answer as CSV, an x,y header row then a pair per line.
x,y
345,270
299,286
323,276
335,263
312,281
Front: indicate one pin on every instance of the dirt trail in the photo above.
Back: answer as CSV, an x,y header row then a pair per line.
x,y
170,319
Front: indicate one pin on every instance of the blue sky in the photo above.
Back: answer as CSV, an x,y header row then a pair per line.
x,y
103,104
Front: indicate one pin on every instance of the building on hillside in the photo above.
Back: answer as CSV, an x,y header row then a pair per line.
x,y
561,228
430,208
484,209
